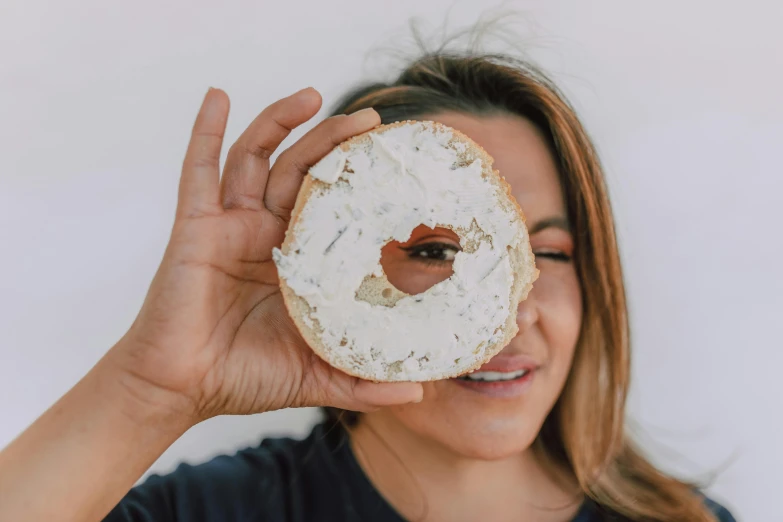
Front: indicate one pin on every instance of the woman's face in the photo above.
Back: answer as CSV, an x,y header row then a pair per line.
x,y
496,419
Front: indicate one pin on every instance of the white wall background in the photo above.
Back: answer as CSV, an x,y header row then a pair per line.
x,y
682,97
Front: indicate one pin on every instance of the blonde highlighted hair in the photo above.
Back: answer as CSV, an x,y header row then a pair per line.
x,y
585,431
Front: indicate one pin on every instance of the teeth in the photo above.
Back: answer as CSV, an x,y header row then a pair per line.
x,y
494,376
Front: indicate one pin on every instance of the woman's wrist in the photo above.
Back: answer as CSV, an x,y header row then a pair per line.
x,y
141,401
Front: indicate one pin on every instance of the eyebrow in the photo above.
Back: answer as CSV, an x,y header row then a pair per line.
x,y
551,222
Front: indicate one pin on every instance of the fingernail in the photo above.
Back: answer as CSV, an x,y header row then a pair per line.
x,y
303,91
210,103
368,117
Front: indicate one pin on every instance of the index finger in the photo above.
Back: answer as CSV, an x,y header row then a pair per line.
x,y
293,164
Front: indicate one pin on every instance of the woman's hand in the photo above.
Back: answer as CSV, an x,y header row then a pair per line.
x,y
213,335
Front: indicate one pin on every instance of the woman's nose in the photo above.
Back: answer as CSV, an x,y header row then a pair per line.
x,y
527,314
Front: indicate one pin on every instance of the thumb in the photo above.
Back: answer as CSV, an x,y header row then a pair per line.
x,y
377,394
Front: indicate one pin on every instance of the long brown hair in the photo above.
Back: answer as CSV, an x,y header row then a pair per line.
x,y
585,431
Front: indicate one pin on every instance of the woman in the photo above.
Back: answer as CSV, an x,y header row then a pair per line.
x,y
213,337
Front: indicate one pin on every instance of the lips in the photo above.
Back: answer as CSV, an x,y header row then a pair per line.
x,y
481,376
505,376
509,363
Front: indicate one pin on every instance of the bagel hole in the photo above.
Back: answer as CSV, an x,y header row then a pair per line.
x,y
417,265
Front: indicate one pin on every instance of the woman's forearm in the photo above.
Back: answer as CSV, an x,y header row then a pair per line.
x,y
81,456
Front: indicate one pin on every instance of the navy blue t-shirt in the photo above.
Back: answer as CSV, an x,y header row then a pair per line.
x,y
286,480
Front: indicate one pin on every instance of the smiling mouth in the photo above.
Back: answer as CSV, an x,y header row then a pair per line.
x,y
494,376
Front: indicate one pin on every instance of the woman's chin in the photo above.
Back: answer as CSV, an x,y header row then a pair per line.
x,y
488,438
485,424
469,431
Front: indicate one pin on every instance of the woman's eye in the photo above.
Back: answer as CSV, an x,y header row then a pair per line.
x,y
432,252
553,254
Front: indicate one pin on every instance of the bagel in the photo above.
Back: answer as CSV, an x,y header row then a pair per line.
x,y
377,187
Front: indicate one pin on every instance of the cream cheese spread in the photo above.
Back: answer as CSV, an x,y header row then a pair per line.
x,y
380,190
